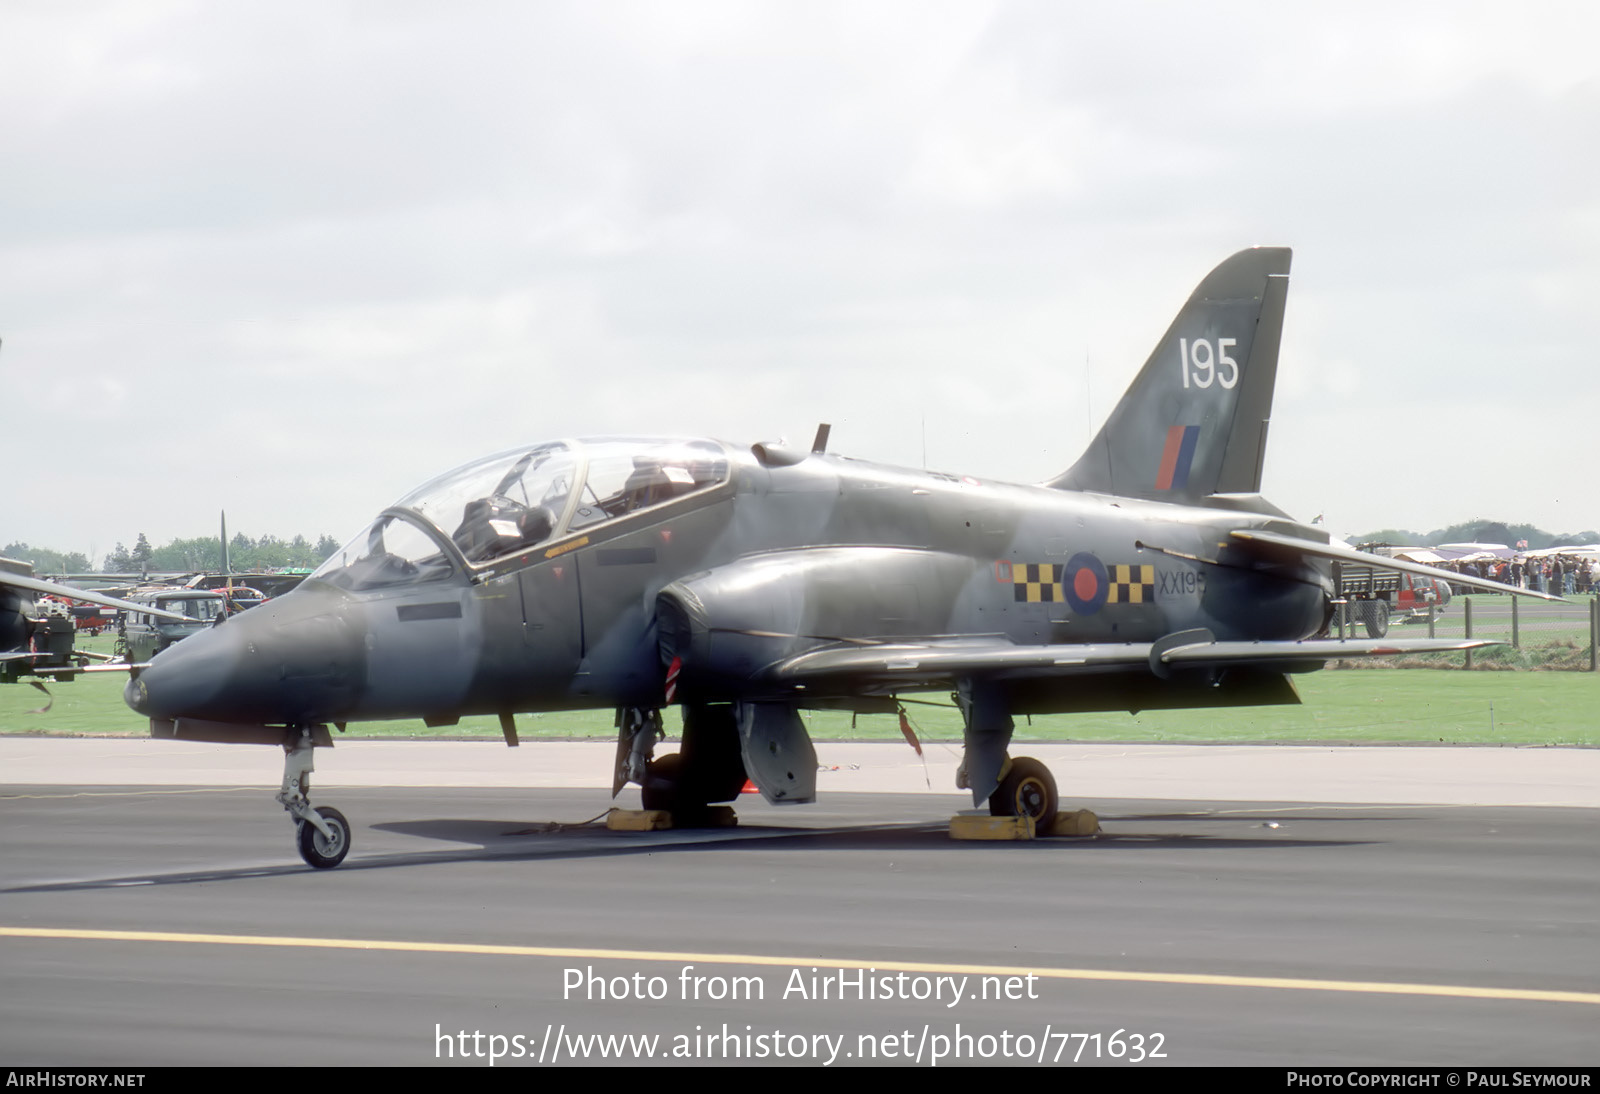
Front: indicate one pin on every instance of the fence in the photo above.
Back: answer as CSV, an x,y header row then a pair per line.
x,y
1537,634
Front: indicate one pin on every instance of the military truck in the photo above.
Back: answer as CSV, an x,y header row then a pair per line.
x,y
1373,597
142,635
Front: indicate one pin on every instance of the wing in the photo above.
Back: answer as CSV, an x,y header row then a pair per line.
x,y
33,584
79,670
933,664
910,666
1381,562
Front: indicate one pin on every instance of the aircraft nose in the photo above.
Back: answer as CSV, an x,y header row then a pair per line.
x,y
296,660
187,677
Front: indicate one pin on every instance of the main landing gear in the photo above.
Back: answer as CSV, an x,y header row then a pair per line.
x,y
322,835
1019,787
707,768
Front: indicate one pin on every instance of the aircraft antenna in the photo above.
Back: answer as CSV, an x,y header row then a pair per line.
x,y
820,444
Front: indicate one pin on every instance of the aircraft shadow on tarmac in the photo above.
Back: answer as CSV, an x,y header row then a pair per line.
x,y
1271,817
513,841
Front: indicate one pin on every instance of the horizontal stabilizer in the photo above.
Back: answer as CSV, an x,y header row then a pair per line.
x,y
75,670
1381,562
1315,649
67,592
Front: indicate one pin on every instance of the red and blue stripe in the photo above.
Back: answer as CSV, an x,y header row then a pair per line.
x,y
1177,456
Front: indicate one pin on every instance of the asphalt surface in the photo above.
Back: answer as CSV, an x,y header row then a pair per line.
x,y
1453,930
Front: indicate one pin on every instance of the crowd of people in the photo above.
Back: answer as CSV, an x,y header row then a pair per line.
x,y
1559,574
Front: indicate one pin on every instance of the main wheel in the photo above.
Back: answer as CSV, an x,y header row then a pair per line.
x,y
1028,790
663,783
318,850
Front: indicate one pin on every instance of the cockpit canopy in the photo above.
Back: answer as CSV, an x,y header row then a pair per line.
x,y
514,501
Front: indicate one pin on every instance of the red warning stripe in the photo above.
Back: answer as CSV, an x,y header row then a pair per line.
x,y
672,677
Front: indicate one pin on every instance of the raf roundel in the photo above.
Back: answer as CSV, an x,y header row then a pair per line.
x,y
1085,583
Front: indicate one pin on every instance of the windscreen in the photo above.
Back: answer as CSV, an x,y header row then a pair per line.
x,y
392,551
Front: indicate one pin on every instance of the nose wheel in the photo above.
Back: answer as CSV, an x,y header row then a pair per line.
x,y
324,851
322,835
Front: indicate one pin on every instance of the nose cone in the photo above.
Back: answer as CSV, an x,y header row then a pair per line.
x,y
294,660
185,678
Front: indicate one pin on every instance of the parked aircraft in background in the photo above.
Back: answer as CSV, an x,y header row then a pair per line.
x,y
34,642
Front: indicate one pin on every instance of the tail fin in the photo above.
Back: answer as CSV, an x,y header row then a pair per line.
x,y
1194,423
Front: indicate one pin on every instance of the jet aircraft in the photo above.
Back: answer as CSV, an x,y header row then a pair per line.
x,y
35,643
747,585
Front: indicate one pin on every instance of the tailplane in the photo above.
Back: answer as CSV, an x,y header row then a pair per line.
x,y
1194,423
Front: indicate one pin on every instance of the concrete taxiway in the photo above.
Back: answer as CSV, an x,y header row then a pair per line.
x,y
1279,905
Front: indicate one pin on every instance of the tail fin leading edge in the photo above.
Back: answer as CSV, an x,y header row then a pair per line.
x,y
1194,422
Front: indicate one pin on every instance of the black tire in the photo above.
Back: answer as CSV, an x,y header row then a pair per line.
x,y
663,783
1028,790
1375,614
316,848
713,764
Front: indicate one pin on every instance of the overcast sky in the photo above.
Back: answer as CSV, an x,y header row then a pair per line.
x,y
292,259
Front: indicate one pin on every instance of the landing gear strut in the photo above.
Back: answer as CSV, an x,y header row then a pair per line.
x,y
638,731
323,836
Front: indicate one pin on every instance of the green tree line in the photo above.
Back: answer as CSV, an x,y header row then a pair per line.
x,y
201,553
1481,531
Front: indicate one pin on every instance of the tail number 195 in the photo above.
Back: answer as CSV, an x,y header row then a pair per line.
x,y
1201,365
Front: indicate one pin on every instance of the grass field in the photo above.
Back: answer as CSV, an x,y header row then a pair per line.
x,y
1365,705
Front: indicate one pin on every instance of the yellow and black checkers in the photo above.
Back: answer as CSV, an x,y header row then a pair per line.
x,y
1083,582
1131,585
1036,582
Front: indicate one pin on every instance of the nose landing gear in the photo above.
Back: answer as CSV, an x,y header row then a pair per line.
x,y
322,835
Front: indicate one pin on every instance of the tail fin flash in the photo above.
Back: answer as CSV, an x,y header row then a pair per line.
x,y
1194,423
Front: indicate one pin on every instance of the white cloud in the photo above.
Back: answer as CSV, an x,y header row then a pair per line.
x,y
392,236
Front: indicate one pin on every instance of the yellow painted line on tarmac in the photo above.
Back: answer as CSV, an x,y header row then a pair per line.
x,y
130,793
1450,991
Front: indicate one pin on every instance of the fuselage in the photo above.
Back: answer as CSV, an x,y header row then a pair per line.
x,y
539,592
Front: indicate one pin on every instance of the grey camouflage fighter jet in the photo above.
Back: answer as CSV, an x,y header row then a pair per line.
x,y
749,584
